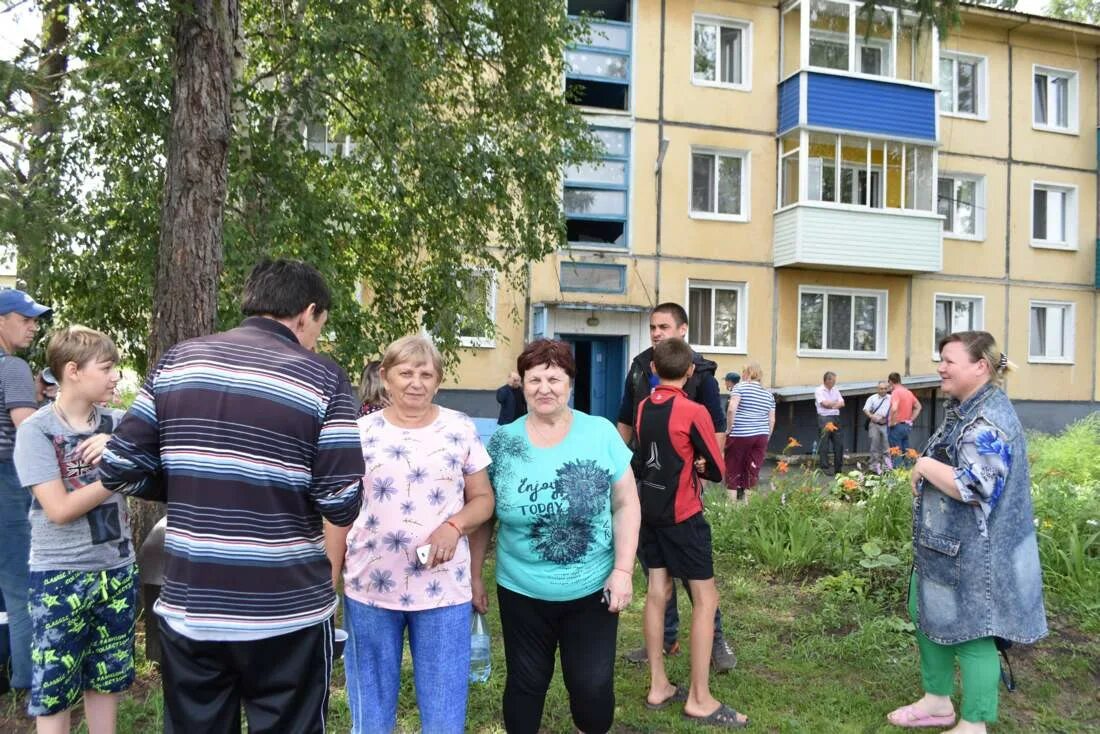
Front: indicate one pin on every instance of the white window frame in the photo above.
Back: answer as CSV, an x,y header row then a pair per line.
x,y
1070,243
979,205
881,331
855,42
742,290
746,176
484,342
745,26
981,81
1069,320
978,304
1073,128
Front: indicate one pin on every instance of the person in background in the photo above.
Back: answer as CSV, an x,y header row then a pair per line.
x,y
426,485
751,420
568,515
372,392
510,397
670,320
828,401
731,380
904,410
877,410
19,317
250,437
45,387
976,574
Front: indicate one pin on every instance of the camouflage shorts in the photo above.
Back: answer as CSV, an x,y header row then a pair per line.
x,y
82,635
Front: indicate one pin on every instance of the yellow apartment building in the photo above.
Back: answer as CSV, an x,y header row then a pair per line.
x,y
822,191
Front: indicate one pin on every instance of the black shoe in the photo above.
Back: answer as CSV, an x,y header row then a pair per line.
x,y
722,656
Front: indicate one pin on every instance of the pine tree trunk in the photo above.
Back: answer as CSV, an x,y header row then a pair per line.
x,y
189,259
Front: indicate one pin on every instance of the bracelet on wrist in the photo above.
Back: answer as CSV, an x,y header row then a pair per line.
x,y
622,570
457,528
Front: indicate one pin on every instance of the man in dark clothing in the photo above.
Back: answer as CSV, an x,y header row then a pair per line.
x,y
669,320
512,403
250,437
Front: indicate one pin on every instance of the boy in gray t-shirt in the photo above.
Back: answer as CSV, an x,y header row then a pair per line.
x,y
83,593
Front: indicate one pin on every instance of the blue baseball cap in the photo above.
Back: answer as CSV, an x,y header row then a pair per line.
x,y
22,304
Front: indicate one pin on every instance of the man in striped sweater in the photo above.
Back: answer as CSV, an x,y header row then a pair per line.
x,y
250,438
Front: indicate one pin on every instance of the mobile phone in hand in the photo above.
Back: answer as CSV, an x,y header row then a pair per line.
x,y
422,554
607,597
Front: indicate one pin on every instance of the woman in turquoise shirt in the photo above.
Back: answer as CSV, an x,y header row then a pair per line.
x,y
568,530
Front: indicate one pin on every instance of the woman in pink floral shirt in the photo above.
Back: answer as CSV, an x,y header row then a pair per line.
x,y
425,484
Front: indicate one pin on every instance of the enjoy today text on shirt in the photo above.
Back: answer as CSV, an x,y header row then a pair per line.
x,y
416,479
554,541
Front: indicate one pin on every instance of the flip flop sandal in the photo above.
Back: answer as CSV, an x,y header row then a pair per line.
x,y
911,717
678,696
722,716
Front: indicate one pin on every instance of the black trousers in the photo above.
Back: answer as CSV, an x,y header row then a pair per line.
x,y
533,631
830,439
282,682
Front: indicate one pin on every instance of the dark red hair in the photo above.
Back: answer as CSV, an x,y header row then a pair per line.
x,y
549,352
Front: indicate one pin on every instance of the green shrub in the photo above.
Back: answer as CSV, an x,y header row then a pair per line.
x,y
1070,455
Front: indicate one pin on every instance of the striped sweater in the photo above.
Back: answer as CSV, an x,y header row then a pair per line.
x,y
250,439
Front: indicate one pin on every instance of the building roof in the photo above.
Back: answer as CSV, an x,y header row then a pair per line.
x,y
1014,19
794,393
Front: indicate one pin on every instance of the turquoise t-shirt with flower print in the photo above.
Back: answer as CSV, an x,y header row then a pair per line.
x,y
554,539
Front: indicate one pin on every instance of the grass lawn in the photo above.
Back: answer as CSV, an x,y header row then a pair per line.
x,y
810,660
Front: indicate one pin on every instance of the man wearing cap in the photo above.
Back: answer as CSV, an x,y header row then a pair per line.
x,y
732,378
19,316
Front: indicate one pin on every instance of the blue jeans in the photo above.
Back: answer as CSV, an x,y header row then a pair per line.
x,y
439,640
899,437
15,544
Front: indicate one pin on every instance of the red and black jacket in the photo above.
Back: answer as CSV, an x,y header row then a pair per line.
x,y
672,432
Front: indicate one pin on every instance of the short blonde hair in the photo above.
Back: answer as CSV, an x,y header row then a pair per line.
x,y
752,371
415,349
78,344
980,346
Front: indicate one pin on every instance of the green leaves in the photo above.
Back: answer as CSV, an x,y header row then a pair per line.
x,y
458,132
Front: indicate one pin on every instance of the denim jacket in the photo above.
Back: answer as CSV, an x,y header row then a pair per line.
x,y
977,561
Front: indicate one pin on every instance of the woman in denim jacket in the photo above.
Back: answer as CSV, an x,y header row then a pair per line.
x,y
976,572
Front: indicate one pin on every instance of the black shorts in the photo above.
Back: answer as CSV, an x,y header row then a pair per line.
x,y
684,549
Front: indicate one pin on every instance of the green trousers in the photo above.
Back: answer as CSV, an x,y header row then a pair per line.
x,y
978,661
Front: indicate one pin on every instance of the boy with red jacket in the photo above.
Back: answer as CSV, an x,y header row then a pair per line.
x,y
676,443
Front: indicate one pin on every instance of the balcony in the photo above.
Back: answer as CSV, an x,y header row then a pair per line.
x,y
855,202
858,104
823,236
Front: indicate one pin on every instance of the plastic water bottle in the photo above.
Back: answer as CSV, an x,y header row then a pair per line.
x,y
481,663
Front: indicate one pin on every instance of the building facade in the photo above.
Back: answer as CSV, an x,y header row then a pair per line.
x,y
822,191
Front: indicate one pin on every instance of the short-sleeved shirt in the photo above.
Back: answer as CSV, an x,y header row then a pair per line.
x,y
823,393
100,540
416,479
555,541
753,417
16,391
904,402
878,405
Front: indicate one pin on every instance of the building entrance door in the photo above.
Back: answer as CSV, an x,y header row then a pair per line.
x,y
601,369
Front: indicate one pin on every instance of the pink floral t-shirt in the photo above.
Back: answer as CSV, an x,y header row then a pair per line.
x,y
416,479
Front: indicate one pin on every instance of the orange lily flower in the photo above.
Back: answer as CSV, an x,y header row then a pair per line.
x,y
831,427
792,443
912,454
782,467
851,484
895,451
